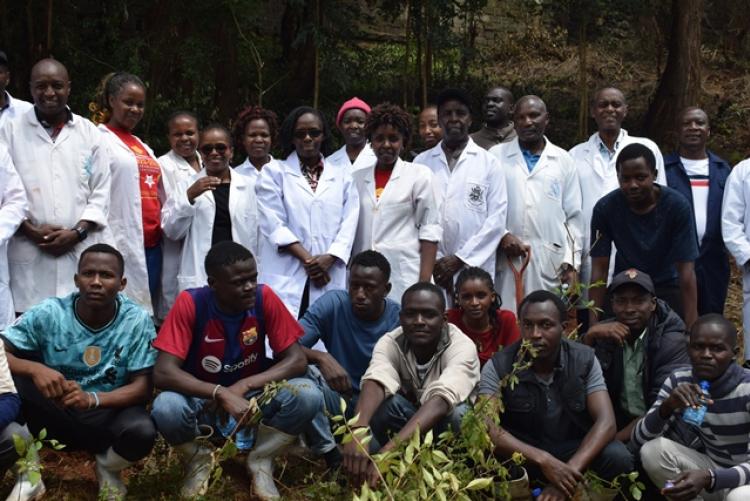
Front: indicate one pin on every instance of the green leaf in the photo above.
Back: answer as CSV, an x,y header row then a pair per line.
x,y
42,433
428,438
19,444
342,406
409,454
479,484
347,438
38,445
440,456
34,477
636,492
428,478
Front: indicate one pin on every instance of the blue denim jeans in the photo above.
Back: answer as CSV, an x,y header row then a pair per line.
x,y
294,410
396,411
331,398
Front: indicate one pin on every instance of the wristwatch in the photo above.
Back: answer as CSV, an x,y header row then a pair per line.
x,y
82,233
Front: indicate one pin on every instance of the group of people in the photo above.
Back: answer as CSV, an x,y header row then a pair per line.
x,y
405,288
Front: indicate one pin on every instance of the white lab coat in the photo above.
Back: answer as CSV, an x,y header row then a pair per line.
x,y
324,222
16,108
126,216
598,177
544,211
176,175
195,224
473,204
66,181
735,229
393,225
365,158
13,207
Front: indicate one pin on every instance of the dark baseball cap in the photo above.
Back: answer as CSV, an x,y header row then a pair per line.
x,y
632,276
3,58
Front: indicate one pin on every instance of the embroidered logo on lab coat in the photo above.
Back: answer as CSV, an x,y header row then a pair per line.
x,y
553,189
475,195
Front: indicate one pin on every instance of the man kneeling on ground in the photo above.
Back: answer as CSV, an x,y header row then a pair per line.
x,y
92,379
349,324
558,415
638,348
717,466
419,377
212,361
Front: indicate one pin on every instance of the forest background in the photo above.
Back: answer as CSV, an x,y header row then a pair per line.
x,y
216,57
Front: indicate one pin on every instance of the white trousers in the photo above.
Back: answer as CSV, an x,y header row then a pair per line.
x,y
664,459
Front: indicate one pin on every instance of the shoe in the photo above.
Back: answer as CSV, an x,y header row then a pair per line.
x,y
269,442
199,463
108,468
24,491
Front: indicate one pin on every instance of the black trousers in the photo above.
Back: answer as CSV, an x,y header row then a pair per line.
x,y
613,460
129,431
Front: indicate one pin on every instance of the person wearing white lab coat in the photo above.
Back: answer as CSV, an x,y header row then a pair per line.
x,y
398,214
595,162
59,158
309,215
544,206
735,228
356,153
471,194
178,168
13,207
196,213
137,189
10,107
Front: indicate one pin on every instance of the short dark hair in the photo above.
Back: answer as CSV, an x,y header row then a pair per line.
x,y
104,249
389,114
633,151
373,259
425,286
287,130
542,296
249,114
719,320
476,273
218,126
183,113
451,94
224,254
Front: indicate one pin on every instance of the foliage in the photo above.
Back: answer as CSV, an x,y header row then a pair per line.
x,y
28,454
625,484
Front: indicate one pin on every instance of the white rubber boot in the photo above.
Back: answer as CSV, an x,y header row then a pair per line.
x,y
108,468
23,490
269,442
199,463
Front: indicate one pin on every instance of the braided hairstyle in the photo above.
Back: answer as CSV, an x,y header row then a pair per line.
x,y
110,86
249,114
389,114
475,273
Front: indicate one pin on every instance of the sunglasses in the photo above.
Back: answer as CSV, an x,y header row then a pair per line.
x,y
303,133
220,148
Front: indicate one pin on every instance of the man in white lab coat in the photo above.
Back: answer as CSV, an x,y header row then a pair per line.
x,y
57,155
10,107
471,195
595,160
544,206
13,207
735,228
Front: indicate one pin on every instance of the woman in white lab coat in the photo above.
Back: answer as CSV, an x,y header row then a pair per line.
x,y
178,168
310,210
398,214
13,207
254,133
137,192
215,208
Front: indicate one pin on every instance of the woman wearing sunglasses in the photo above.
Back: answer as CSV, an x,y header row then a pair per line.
x,y
310,209
217,206
137,194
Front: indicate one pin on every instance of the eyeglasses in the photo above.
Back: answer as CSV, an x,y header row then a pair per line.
x,y
303,133
220,148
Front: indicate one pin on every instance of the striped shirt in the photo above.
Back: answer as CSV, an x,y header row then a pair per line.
x,y
725,432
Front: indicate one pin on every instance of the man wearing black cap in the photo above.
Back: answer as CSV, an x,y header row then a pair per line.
x,y
637,349
9,106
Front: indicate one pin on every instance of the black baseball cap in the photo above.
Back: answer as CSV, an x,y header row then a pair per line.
x,y
632,276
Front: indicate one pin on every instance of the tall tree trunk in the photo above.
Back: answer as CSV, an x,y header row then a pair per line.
x,y
583,105
407,50
316,83
680,84
423,35
49,25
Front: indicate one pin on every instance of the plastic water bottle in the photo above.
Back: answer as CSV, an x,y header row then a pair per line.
x,y
668,484
535,493
695,416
